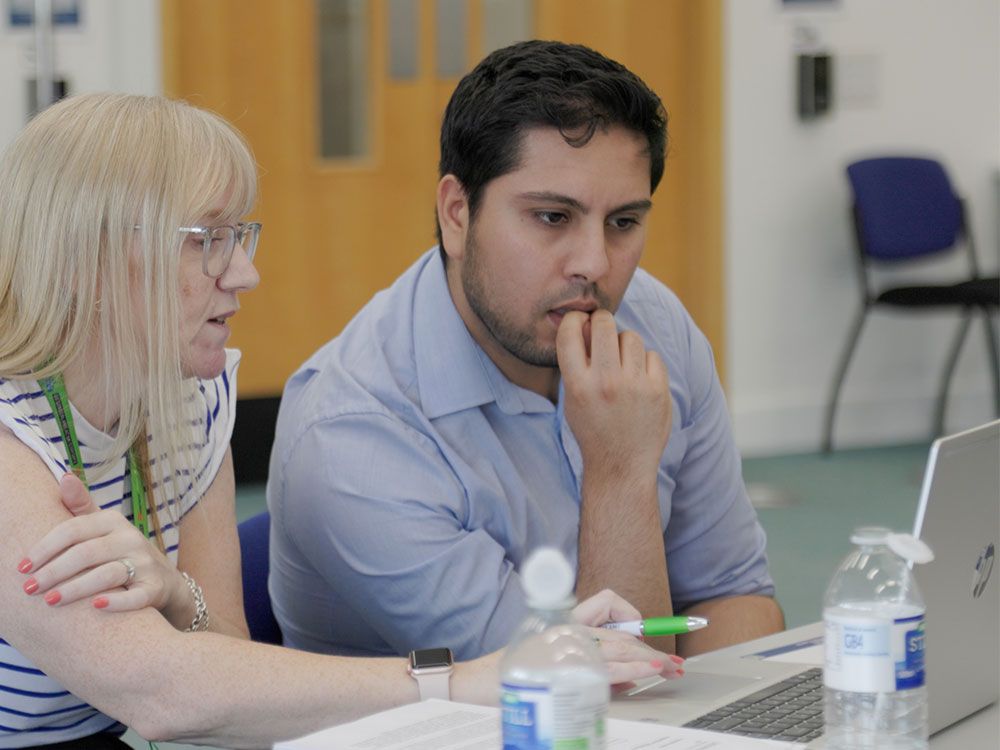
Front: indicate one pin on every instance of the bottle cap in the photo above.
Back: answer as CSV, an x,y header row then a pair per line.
x,y
548,579
910,548
870,535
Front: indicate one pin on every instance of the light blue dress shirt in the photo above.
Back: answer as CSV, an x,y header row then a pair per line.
x,y
410,479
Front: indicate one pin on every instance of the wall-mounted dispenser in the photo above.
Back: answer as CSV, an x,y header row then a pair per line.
x,y
815,83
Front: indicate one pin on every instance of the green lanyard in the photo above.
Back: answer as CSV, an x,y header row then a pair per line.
x,y
55,391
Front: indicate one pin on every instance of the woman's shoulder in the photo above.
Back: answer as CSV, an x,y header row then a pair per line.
x,y
27,418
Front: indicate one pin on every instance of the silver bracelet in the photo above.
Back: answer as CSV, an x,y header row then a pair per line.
x,y
200,621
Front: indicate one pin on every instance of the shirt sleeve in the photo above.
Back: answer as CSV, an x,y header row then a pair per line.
x,y
714,542
384,525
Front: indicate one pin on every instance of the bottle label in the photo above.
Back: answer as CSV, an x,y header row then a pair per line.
x,y
543,718
873,655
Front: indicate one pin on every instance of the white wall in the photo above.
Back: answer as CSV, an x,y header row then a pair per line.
x,y
116,47
910,76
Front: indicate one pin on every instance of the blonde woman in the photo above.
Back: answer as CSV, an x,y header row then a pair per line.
x,y
124,247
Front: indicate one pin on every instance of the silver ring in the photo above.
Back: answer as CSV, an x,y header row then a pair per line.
x,y
129,569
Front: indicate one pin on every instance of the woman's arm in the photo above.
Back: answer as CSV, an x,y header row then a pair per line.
x,y
200,687
138,668
80,558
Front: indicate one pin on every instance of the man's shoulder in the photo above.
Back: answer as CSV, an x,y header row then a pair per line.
x,y
645,291
370,366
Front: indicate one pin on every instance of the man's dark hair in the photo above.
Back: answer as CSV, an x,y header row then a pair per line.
x,y
542,84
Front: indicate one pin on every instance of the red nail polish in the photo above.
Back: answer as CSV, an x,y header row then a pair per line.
x,y
676,659
656,664
52,598
24,566
679,671
30,586
101,602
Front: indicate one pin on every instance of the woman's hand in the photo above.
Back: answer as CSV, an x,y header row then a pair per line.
x,y
627,657
101,555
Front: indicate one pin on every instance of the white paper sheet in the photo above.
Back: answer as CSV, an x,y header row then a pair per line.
x,y
443,725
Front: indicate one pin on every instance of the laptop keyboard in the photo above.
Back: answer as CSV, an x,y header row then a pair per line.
x,y
788,710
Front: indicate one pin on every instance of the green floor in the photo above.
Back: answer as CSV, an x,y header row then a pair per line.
x,y
830,495
825,498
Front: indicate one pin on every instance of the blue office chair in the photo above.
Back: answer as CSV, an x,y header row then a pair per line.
x,y
905,210
254,548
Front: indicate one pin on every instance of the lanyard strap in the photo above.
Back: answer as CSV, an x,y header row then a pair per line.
x,y
55,391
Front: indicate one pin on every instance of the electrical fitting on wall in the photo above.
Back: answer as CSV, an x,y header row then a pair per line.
x,y
813,74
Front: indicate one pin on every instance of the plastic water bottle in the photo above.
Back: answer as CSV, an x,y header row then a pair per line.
x,y
873,676
554,686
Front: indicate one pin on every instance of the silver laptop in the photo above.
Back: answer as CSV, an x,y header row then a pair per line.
x,y
959,517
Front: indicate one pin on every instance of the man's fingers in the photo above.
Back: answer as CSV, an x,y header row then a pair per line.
x,y
571,351
656,369
75,496
604,340
633,353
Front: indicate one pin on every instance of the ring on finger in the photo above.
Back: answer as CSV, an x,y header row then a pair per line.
x,y
129,570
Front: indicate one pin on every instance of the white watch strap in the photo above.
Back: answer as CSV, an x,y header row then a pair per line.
x,y
434,685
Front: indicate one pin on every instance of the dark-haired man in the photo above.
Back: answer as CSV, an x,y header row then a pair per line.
x,y
523,384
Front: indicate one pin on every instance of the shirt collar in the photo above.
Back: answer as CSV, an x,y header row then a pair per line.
x,y
453,371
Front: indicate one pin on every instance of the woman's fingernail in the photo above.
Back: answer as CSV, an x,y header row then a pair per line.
x,y
30,586
656,664
24,566
52,598
676,659
101,602
679,672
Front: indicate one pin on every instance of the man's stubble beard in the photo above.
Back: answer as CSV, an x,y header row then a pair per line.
x,y
519,343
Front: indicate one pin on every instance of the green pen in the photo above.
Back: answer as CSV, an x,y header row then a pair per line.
x,y
659,625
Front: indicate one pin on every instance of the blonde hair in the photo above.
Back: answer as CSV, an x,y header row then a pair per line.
x,y
92,193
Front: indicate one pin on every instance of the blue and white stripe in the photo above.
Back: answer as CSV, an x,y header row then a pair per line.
x,y
34,708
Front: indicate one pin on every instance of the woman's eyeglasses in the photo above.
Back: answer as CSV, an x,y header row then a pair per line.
x,y
218,244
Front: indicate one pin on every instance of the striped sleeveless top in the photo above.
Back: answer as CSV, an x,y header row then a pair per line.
x,y
34,708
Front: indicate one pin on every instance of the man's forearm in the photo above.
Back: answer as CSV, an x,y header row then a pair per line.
x,y
732,620
621,545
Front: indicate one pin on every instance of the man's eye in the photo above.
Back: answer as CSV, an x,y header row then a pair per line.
x,y
551,218
624,222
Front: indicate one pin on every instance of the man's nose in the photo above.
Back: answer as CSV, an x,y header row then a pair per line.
x,y
588,256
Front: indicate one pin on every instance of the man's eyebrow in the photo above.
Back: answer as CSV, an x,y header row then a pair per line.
x,y
569,202
550,197
643,205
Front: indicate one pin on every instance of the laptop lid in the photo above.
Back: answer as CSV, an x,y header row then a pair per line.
x,y
959,517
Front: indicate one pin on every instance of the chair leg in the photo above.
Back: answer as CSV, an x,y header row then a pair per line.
x,y
991,350
949,370
838,380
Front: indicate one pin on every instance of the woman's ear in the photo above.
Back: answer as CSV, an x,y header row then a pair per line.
x,y
453,215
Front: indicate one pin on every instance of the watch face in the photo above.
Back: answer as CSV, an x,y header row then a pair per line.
x,y
427,658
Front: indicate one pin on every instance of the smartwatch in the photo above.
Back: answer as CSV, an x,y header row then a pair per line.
x,y
432,668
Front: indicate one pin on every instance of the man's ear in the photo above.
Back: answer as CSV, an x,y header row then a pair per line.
x,y
453,215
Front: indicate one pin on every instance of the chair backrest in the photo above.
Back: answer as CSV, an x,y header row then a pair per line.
x,y
254,548
904,207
